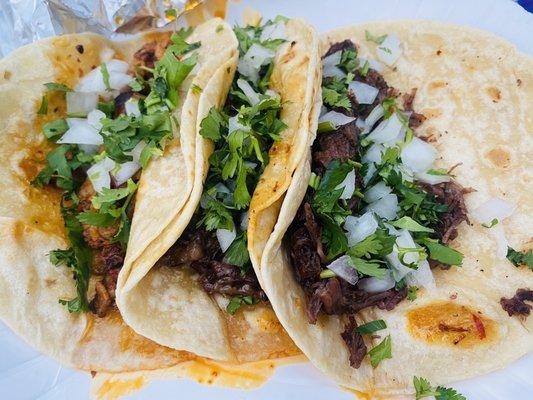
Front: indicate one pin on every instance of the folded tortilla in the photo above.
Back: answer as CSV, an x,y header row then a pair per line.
x,y
167,304
475,90
30,221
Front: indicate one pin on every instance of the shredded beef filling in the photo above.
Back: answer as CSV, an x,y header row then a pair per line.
x,y
451,194
200,249
517,305
355,342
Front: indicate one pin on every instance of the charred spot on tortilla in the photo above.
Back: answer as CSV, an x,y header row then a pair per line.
x,y
494,93
451,324
80,48
499,157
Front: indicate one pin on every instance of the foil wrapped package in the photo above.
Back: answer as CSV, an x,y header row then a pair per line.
x,y
26,21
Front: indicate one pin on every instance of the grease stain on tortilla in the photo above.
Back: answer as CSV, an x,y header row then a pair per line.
x,y
451,324
499,157
437,85
494,93
116,388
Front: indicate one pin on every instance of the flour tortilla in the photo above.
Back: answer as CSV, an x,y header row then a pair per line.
x,y
166,303
30,221
475,89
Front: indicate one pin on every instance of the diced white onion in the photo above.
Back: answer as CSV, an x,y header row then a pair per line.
x,y
348,184
272,93
390,50
81,102
332,71
501,240
376,192
122,172
137,150
431,179
377,285
387,130
359,228
418,155
94,118
94,82
249,92
332,60
343,268
422,276
91,82
375,115
373,64
373,154
493,208
371,170
336,118
274,31
118,80
323,110
132,107
364,94
360,123
244,221
386,207
80,132
251,62
99,174
90,149
225,238
117,66
399,270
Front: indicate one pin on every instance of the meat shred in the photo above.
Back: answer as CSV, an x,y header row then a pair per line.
x,y
517,305
354,340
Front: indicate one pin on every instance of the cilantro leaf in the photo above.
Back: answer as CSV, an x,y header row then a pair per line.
x,y
493,222
448,394
211,125
441,253
376,39
412,293
96,219
381,352
237,253
411,225
349,60
333,237
518,258
109,196
372,326
105,76
217,216
369,268
334,99
54,129
326,196
380,243
423,388
43,108
237,301
57,87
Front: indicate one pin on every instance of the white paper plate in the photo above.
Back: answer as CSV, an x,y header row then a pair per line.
x,y
25,374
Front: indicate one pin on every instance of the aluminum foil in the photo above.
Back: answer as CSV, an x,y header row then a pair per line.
x,y
26,21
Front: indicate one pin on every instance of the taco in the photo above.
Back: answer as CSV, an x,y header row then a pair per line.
x,y
194,288
109,111
400,245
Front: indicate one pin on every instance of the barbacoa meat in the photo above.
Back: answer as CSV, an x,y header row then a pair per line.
x,y
517,305
200,249
354,341
147,55
416,119
452,195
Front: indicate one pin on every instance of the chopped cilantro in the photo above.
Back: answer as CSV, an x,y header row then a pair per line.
x,y
411,225
365,68
57,87
412,293
349,60
491,224
372,326
171,13
314,180
423,388
54,129
381,352
325,126
196,89
327,273
442,253
237,301
211,125
518,258
376,39
334,99
43,108
105,76
136,86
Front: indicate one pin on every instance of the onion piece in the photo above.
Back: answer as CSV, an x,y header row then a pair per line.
x,y
332,71
332,60
99,174
225,238
106,54
137,150
390,50
273,31
118,66
502,243
249,92
376,192
422,276
371,170
336,118
344,269
387,130
377,285
94,118
78,102
80,132
132,107
493,208
244,220
348,184
375,115
235,125
255,57
399,270
122,172
373,154
418,155
364,94
359,228
386,207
